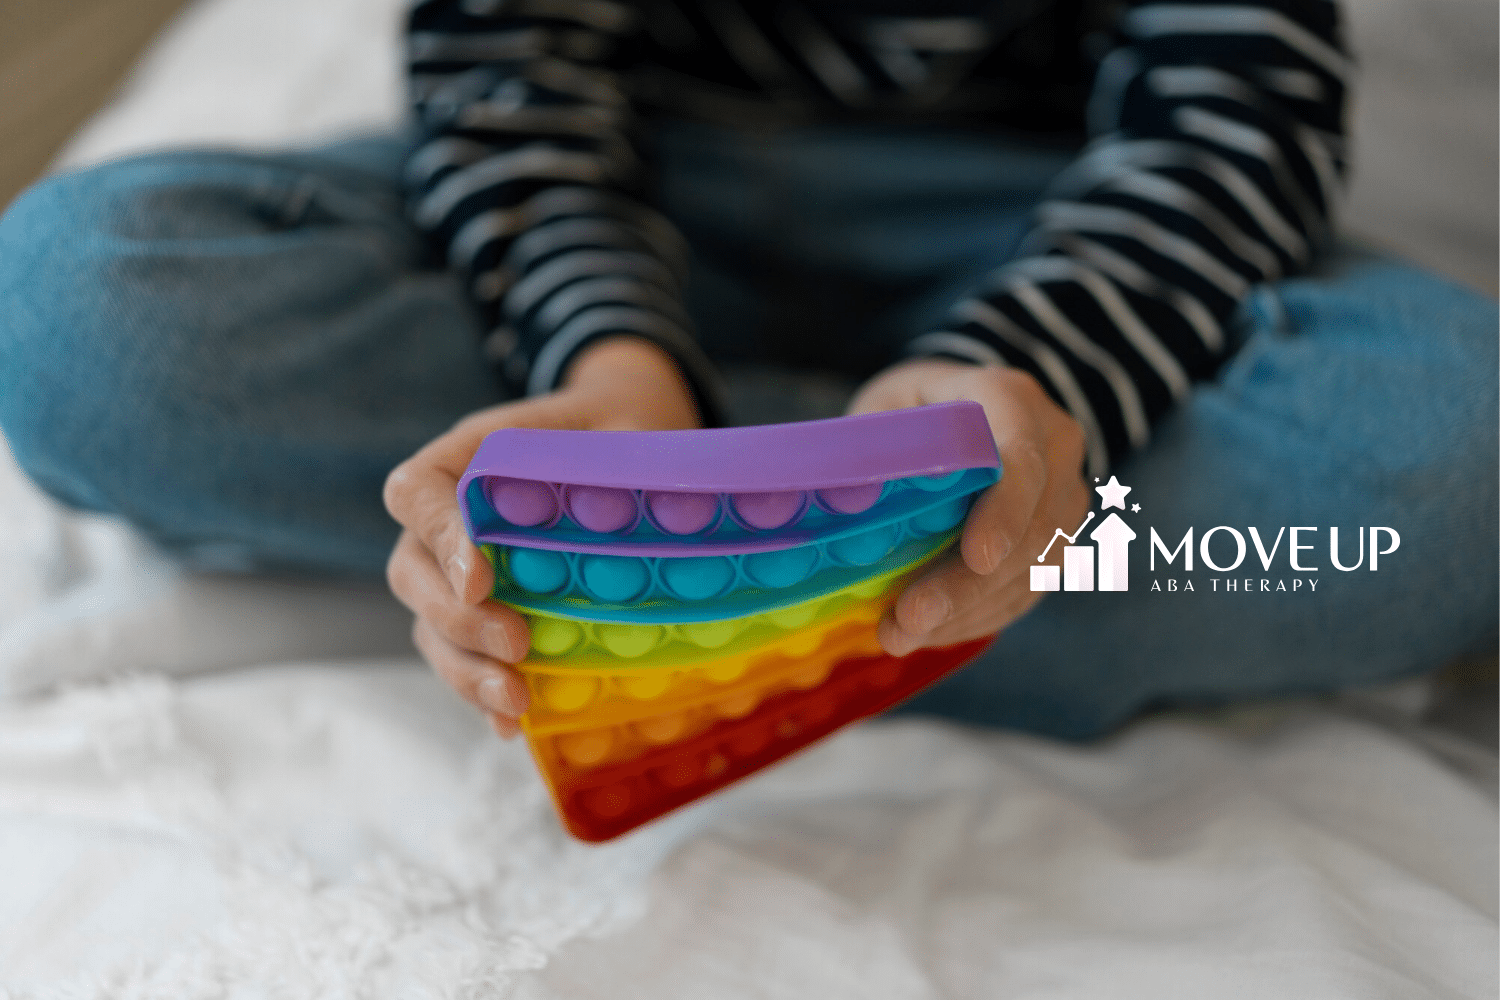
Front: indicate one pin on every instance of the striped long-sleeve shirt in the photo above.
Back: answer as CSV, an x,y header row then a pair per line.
x,y
1214,161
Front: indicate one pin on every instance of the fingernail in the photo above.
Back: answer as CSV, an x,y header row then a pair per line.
x,y
496,641
986,558
457,568
1002,549
931,611
494,694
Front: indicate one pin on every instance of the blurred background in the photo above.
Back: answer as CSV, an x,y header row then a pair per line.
x,y
1425,121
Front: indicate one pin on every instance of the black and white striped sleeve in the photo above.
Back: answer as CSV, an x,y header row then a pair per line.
x,y
1215,161
525,177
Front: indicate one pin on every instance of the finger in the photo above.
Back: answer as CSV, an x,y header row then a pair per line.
x,y
491,628
1002,514
950,590
423,497
904,385
422,492
484,683
880,395
506,729
1002,609
950,587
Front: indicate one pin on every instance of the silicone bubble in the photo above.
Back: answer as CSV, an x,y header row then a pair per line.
x,y
865,549
941,518
711,635
726,672
645,687
696,579
608,802
794,617
802,643
601,509
568,694
682,513
850,499
933,484
736,706
585,749
522,502
615,578
662,728
678,772
538,570
785,568
768,511
554,636
630,641
873,587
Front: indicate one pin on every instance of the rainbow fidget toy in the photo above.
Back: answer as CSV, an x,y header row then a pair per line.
x,y
703,603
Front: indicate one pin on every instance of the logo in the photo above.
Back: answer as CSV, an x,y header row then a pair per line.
x,y
1114,537
1106,565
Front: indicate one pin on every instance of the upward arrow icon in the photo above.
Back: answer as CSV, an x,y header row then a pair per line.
x,y
1114,537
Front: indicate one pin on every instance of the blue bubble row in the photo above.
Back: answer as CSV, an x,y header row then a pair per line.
x,y
627,588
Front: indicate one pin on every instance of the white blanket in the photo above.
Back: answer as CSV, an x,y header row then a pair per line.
x,y
354,831
186,818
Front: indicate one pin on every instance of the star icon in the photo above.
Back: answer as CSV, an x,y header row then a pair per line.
x,y
1135,508
1113,494
1096,479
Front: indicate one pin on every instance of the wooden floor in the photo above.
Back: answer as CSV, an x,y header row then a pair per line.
x,y
59,61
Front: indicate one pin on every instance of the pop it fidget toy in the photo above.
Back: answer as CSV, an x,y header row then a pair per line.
x,y
703,603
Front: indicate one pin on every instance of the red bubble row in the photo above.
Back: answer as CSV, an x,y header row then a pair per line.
x,y
601,803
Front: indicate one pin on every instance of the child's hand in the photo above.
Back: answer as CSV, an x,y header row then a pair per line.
x,y
616,385
986,585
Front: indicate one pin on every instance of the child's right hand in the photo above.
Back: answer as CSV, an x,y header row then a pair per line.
x,y
469,641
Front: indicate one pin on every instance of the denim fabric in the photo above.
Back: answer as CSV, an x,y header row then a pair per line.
x,y
232,350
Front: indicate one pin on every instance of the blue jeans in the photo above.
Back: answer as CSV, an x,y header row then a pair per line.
x,y
232,350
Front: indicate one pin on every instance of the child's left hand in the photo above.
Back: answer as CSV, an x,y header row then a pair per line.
x,y
985,585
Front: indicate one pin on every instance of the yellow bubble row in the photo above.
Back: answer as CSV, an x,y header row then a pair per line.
x,y
572,699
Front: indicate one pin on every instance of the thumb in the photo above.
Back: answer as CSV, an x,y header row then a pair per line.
x,y
893,389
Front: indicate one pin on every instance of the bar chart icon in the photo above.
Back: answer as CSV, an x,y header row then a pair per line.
x,y
1078,571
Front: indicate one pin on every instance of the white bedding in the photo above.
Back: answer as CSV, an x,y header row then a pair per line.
x,y
250,789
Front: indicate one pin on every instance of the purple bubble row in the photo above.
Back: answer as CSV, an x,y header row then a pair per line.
x,y
605,510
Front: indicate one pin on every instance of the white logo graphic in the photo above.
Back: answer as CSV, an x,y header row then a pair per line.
x,y
1114,537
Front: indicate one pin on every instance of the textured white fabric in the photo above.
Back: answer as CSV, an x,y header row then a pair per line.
x,y
315,831
351,830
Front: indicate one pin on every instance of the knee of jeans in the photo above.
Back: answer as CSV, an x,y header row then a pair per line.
x,y
66,328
